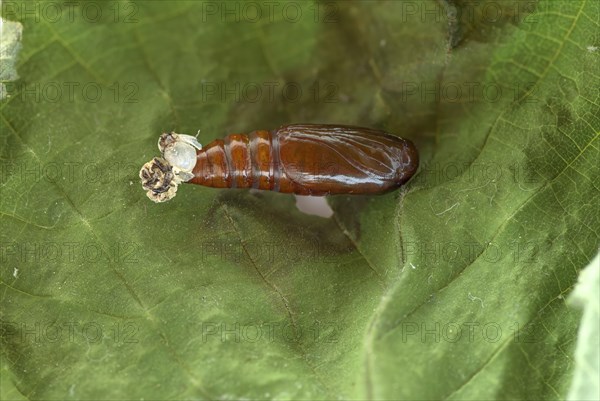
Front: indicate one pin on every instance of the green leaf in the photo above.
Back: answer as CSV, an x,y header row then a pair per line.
x,y
453,287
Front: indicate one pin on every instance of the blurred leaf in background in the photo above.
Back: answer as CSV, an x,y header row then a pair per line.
x,y
452,288
586,296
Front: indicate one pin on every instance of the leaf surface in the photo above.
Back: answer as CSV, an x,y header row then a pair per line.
x,y
453,287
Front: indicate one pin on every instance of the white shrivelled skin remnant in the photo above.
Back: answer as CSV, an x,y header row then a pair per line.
x,y
181,155
161,176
